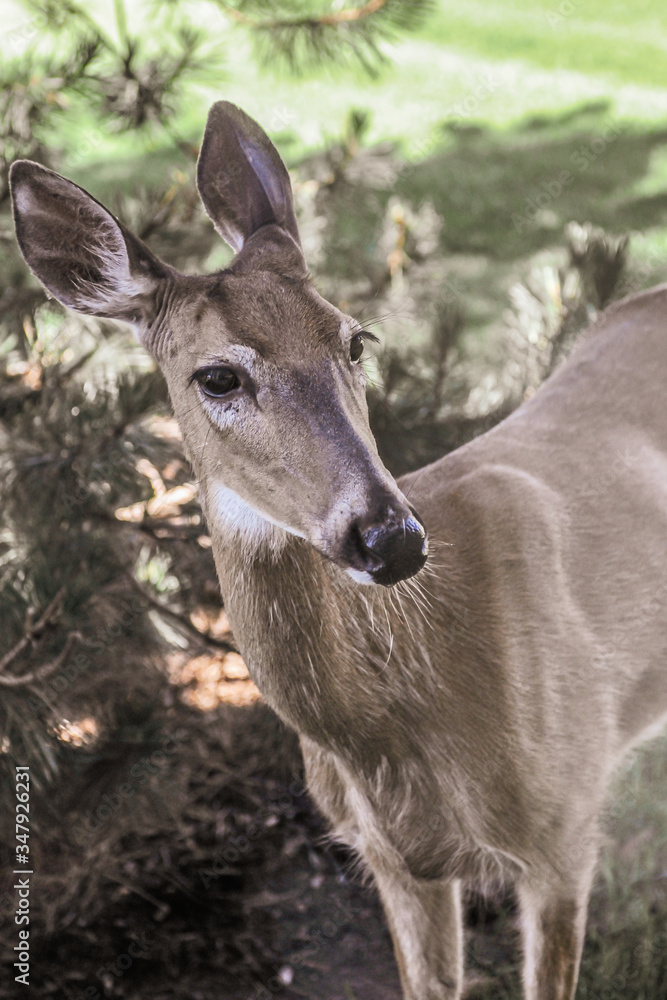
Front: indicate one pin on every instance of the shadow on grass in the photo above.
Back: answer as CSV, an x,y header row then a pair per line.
x,y
504,194
507,194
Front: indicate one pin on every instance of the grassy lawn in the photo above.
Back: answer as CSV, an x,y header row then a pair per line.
x,y
507,60
557,86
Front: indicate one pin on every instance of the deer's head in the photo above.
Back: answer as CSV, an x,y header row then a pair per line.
x,y
263,373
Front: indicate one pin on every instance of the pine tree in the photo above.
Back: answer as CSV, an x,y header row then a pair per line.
x,y
75,396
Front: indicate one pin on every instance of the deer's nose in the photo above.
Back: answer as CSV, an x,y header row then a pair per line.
x,y
388,550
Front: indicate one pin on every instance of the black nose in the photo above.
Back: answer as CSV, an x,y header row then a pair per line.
x,y
388,550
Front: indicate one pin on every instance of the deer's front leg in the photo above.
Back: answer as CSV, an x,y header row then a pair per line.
x,y
424,918
553,930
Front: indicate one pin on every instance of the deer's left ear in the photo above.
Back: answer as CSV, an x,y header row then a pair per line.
x,y
242,180
78,250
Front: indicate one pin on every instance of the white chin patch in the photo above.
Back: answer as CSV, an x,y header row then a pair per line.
x,y
361,576
232,514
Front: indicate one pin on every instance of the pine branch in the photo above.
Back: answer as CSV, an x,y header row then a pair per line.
x,y
182,620
33,676
56,15
302,40
33,630
337,17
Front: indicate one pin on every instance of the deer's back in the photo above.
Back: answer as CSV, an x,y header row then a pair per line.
x,y
549,578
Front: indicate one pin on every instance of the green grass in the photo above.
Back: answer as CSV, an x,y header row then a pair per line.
x,y
533,60
621,42
490,103
626,946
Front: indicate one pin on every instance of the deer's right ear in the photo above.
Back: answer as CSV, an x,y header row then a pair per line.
x,y
78,250
242,181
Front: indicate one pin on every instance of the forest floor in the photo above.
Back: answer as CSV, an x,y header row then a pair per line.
x,y
268,906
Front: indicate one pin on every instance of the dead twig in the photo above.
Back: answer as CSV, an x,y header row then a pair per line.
x,y
32,630
185,622
33,676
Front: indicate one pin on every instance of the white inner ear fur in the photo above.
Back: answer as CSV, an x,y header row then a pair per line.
x,y
108,246
229,513
102,239
24,199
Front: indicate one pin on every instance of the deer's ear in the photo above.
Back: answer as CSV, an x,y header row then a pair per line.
x,y
78,250
242,181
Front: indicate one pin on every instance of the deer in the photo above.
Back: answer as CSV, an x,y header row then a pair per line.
x,y
466,653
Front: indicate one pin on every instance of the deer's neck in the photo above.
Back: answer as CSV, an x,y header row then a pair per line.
x,y
324,652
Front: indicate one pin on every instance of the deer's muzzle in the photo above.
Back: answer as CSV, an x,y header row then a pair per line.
x,y
388,550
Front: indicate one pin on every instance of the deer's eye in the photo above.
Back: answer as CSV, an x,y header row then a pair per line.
x,y
356,348
217,382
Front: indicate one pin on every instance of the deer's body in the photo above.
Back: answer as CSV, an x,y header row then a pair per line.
x,y
469,729
465,725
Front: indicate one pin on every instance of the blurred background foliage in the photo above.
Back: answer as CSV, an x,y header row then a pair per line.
x,y
474,182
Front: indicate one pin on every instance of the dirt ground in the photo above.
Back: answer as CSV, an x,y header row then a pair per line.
x,y
332,935
236,894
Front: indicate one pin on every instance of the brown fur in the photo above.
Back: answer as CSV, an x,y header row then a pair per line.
x,y
464,724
